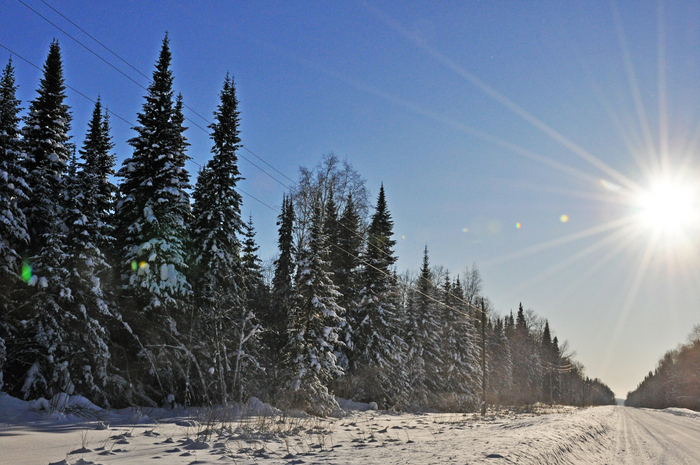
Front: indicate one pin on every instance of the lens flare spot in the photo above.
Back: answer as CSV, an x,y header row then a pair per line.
x,y
134,265
26,272
609,185
143,265
564,218
518,225
465,230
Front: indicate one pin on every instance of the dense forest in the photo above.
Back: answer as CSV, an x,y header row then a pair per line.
x,y
151,292
676,380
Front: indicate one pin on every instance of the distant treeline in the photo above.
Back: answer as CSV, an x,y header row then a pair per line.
x,y
676,380
152,292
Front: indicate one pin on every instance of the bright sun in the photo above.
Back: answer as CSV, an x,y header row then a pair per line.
x,y
669,207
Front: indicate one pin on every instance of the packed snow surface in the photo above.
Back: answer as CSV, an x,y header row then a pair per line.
x,y
70,430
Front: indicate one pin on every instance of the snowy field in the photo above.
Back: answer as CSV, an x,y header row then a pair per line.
x,y
39,433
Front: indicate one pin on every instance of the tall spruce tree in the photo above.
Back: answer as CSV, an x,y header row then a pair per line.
x,y
379,348
458,349
47,339
13,186
88,217
331,234
314,324
281,301
499,364
220,276
345,264
14,237
346,268
152,218
258,294
46,141
424,356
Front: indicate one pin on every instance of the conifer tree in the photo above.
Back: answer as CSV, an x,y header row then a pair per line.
x,y
331,234
347,261
257,303
226,284
13,187
258,298
47,340
424,356
281,300
46,141
458,348
500,365
88,217
526,366
345,264
152,218
314,323
14,238
379,348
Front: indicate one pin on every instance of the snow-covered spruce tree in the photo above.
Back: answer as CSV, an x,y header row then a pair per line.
x,y
458,348
95,190
499,365
13,188
258,294
152,217
314,324
470,340
276,321
345,246
549,362
346,262
13,225
47,336
275,318
526,363
46,142
379,350
258,302
218,273
89,200
331,232
424,357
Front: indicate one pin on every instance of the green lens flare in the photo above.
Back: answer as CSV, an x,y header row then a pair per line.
x,y
134,265
26,272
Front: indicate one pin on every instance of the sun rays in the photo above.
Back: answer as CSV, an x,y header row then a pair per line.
x,y
656,199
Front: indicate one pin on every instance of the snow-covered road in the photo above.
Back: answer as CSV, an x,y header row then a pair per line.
x,y
654,437
559,435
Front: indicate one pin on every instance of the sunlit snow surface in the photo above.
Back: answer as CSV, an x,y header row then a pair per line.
x,y
260,434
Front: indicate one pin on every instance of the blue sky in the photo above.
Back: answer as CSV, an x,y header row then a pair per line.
x,y
476,116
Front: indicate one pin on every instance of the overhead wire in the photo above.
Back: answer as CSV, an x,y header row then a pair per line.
x,y
360,259
369,242
133,80
13,53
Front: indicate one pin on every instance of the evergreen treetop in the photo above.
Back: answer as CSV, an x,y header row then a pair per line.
x,y
153,212
46,142
13,186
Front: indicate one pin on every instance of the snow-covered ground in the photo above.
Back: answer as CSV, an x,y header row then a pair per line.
x,y
73,431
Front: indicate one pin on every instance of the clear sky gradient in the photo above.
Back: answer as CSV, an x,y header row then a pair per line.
x,y
486,122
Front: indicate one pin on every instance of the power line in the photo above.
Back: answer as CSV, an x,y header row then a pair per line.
x,y
12,52
141,86
367,240
69,87
81,44
93,38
